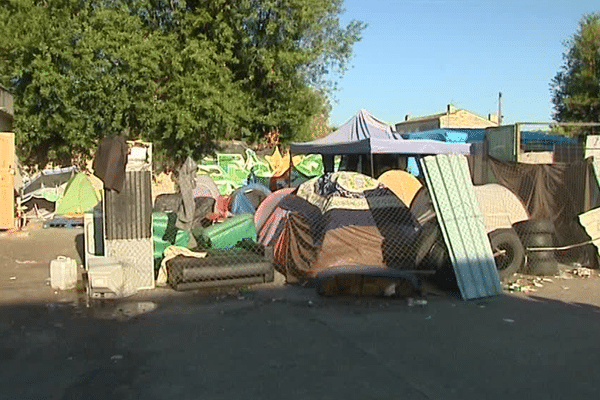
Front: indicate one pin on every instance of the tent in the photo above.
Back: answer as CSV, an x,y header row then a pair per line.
x,y
268,205
358,223
205,187
271,229
79,197
49,184
365,134
403,184
246,199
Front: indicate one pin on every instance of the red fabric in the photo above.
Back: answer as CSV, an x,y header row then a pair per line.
x,y
221,209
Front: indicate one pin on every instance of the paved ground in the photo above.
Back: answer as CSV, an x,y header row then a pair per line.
x,y
281,341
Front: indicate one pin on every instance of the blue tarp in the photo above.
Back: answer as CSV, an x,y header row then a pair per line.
x,y
477,135
442,135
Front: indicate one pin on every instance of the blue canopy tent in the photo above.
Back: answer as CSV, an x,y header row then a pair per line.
x,y
364,134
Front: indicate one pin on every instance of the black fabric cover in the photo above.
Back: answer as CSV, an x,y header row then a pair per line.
x,y
167,202
110,161
204,207
558,192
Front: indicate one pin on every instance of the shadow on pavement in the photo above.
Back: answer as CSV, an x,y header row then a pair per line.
x,y
80,246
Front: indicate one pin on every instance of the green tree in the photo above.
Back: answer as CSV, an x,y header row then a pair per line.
x,y
576,87
182,74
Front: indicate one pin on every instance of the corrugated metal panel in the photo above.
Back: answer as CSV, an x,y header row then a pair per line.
x,y
128,214
458,212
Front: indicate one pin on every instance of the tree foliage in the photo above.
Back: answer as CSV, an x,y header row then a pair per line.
x,y
182,74
576,87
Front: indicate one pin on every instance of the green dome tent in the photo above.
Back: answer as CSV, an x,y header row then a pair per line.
x,y
79,196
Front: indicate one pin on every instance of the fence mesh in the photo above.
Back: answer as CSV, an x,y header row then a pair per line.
x,y
348,223
343,222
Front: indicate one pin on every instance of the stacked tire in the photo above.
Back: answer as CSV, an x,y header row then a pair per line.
x,y
538,233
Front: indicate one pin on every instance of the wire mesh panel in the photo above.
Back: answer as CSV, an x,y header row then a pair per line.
x,y
136,256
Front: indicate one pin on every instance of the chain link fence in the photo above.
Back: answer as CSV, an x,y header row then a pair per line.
x,y
337,222
374,232
552,181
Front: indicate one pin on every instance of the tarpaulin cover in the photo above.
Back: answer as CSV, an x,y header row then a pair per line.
x,y
556,192
442,135
49,184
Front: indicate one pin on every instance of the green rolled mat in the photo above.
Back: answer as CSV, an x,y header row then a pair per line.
x,y
166,234
227,234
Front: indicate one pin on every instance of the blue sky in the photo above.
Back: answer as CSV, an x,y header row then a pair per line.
x,y
417,56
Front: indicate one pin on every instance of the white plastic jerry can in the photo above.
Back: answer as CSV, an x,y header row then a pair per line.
x,y
63,273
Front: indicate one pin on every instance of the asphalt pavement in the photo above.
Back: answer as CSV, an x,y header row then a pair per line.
x,y
284,341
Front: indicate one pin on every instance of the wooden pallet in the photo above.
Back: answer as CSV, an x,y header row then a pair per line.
x,y
64,223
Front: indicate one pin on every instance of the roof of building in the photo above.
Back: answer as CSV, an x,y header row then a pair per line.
x,y
440,115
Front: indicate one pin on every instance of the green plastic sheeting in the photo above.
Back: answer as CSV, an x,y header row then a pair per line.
x,y
311,165
226,234
79,196
166,234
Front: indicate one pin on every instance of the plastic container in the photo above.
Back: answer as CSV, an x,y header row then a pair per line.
x,y
105,278
63,273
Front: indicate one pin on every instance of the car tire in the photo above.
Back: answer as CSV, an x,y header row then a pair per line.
x,y
534,226
512,260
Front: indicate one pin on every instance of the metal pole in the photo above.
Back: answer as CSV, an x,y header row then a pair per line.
x,y
289,179
499,108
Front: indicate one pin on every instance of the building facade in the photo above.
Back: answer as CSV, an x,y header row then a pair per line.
x,y
452,118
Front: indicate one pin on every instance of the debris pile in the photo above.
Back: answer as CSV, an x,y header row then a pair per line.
x,y
529,283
